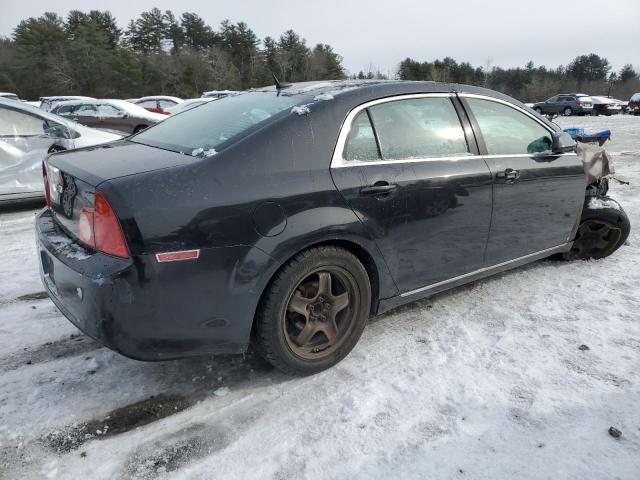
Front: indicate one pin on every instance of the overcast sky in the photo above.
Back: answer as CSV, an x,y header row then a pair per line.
x,y
382,33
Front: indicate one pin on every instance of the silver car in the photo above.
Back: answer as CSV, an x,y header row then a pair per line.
x,y
27,136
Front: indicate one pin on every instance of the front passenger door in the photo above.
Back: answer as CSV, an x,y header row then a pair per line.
x,y
537,196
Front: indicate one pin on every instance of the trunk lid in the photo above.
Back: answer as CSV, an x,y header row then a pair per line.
x,y
99,163
74,175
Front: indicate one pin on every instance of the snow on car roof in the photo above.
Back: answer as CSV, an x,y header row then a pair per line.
x,y
160,97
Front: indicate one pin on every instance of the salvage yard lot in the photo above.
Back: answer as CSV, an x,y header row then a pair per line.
x,y
516,376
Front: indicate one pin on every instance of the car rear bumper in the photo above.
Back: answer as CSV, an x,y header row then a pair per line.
x,y
148,310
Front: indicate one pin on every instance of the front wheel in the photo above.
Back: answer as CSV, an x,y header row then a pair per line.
x,y
538,110
567,112
314,311
604,227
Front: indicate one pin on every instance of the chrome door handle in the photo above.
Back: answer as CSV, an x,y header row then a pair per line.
x,y
509,175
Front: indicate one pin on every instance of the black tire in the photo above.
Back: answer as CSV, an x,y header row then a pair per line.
x,y
538,110
139,128
55,149
279,326
567,112
604,227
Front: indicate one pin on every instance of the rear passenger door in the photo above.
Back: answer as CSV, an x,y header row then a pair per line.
x,y
411,173
537,196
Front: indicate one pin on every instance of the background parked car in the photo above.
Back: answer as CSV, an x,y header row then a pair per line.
x,y
566,104
27,136
219,93
9,96
634,104
624,104
108,114
158,103
605,106
189,104
47,103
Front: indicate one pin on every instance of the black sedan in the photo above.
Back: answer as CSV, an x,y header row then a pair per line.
x,y
285,217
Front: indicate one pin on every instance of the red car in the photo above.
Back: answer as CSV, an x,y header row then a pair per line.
x,y
158,103
634,104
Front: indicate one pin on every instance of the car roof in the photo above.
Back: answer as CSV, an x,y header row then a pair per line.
x,y
70,97
347,94
160,97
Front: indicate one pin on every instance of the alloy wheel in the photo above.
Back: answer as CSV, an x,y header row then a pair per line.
x,y
321,313
596,239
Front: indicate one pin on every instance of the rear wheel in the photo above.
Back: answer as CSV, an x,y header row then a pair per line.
x,y
139,128
538,110
314,311
604,227
567,112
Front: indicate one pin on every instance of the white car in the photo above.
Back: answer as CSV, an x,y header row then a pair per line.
x,y
605,106
27,136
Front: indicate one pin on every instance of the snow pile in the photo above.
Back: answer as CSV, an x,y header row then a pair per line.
x,y
323,97
596,203
301,109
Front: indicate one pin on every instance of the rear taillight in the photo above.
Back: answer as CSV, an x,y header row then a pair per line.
x,y
47,191
578,101
99,228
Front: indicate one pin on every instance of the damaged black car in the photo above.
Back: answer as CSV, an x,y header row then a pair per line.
x,y
285,217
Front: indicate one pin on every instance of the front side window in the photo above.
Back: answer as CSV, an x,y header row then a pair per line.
x,y
215,123
507,131
418,128
361,143
14,123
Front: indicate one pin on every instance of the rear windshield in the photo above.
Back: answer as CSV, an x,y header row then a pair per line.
x,y
213,125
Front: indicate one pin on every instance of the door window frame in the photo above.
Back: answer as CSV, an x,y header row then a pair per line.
x,y
478,132
337,160
29,114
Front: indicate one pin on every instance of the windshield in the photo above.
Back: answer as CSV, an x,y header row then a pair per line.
x,y
211,125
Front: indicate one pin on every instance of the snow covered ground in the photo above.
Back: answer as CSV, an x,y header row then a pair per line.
x,y
517,376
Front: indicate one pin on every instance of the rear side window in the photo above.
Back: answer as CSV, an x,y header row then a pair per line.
x,y
418,128
14,123
166,103
105,110
211,125
86,110
507,131
361,143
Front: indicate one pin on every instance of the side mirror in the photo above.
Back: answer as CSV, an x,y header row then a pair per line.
x,y
562,142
